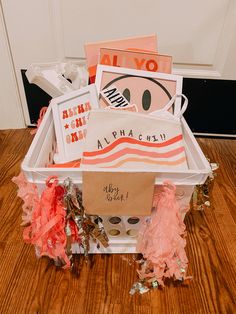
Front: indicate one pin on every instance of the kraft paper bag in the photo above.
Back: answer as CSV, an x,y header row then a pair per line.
x,y
117,193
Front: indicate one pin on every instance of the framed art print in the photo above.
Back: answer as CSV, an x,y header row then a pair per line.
x,y
70,114
141,43
148,91
146,61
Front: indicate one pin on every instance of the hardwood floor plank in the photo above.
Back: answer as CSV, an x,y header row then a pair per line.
x,y
29,285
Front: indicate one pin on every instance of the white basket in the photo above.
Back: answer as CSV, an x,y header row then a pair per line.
x,y
41,153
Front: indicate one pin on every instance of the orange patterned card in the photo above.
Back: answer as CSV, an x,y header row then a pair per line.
x,y
146,61
144,43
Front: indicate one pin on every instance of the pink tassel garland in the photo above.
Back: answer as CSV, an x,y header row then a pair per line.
x,y
161,240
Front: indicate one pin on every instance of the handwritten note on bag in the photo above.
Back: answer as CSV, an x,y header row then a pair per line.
x,y
114,193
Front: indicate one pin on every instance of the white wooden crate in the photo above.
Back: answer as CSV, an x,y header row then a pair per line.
x,y
123,240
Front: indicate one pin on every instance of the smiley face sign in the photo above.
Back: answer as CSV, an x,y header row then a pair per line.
x,y
149,91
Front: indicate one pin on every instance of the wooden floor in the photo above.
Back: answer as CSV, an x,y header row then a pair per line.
x,y
28,285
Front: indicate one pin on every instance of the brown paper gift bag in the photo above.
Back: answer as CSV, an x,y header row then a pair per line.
x,y
118,193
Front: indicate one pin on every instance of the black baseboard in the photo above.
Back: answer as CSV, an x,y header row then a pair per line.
x,y
211,110
36,98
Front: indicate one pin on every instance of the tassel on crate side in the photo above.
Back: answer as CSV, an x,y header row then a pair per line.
x,y
201,198
86,228
29,194
75,215
162,246
162,243
56,220
47,229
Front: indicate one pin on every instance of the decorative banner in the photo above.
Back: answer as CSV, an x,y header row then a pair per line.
x,y
70,114
92,50
136,60
114,193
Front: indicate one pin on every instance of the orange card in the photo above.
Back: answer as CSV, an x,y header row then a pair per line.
x,y
144,43
138,60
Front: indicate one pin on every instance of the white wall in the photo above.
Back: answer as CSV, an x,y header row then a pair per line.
x,y
187,30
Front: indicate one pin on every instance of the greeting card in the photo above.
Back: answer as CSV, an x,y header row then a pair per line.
x,y
92,50
138,60
70,114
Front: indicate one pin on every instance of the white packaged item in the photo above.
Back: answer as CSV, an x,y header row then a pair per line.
x,y
52,77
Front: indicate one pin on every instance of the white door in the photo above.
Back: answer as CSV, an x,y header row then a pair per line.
x,y
11,114
200,35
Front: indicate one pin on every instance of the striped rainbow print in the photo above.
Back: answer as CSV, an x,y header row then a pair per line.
x,y
127,152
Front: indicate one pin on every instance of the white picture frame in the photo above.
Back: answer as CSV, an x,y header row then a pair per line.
x,y
165,85
70,115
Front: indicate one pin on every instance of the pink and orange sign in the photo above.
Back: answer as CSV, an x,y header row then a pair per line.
x,y
138,60
92,50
